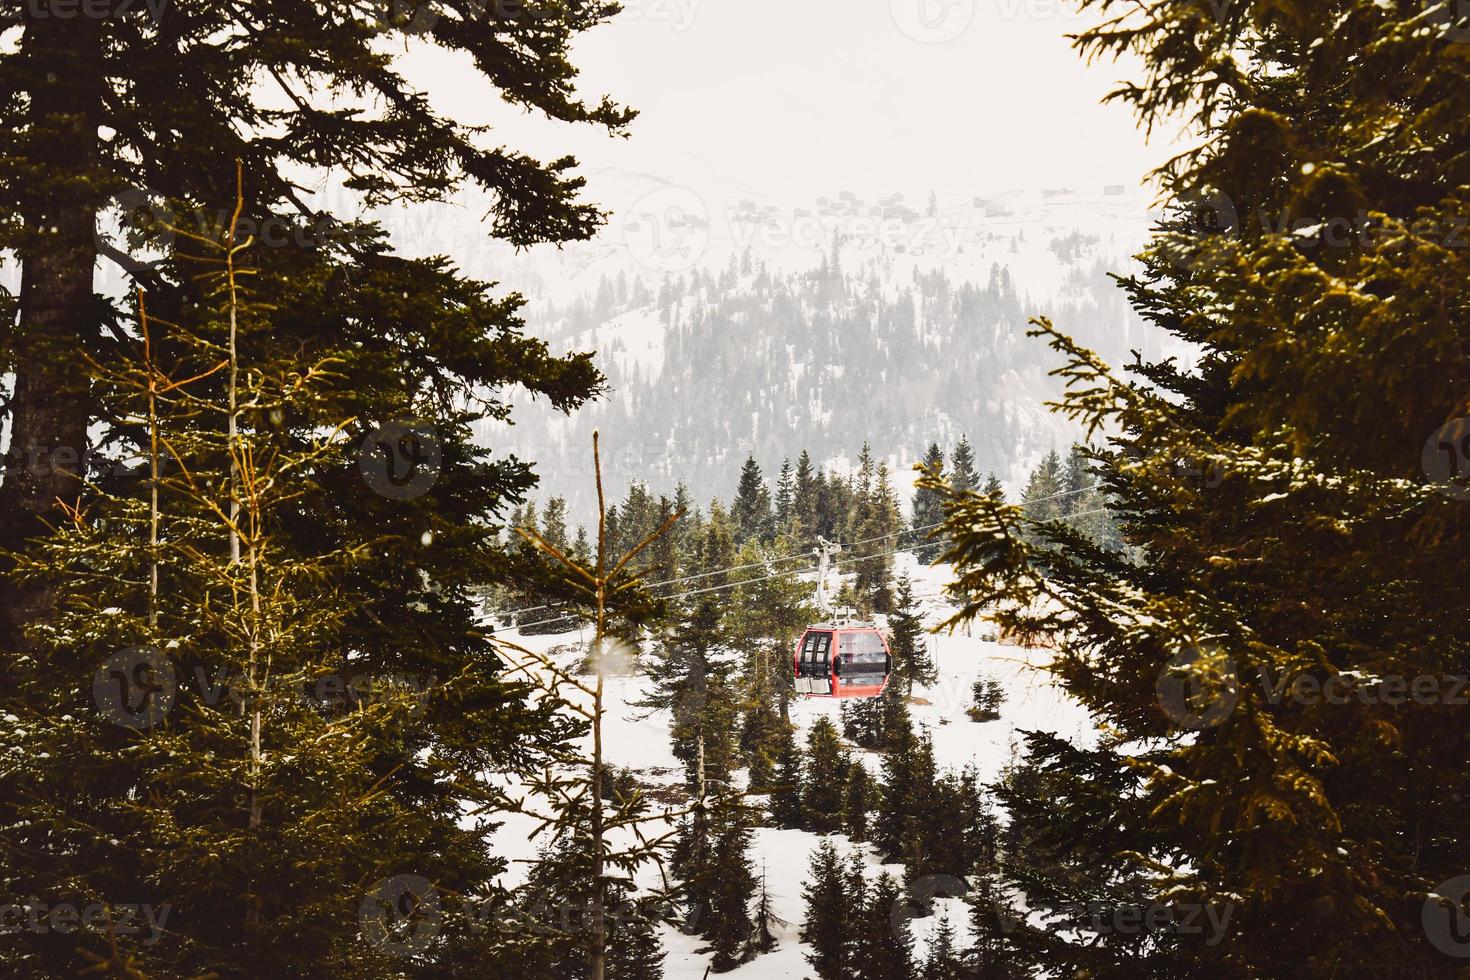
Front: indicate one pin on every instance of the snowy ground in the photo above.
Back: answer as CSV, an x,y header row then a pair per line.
x,y
642,744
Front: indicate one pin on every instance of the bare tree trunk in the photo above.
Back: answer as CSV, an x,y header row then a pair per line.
x,y
598,957
153,516
50,408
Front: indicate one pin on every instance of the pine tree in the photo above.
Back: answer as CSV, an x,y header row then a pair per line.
x,y
766,612
634,952
860,720
751,511
884,948
1042,499
1349,809
766,920
787,808
826,900
926,509
911,661
389,359
962,466
907,789
993,488
224,724
998,950
987,696
944,961
895,727
860,797
805,497
785,499
827,765
87,127
729,926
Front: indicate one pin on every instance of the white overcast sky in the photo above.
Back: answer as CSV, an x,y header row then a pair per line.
x,y
792,99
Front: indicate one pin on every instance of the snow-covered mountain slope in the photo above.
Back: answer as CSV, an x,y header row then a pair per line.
x,y
642,745
740,327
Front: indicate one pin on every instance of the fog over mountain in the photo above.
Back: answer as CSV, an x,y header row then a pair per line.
x,y
730,325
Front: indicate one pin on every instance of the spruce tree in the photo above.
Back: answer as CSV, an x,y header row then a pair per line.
x,y
885,947
944,961
962,466
1293,531
751,510
787,808
805,498
1042,499
729,927
88,127
785,499
895,727
635,951
226,712
911,661
827,763
860,797
824,928
926,510
766,920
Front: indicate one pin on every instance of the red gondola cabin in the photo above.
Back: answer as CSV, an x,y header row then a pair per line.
x,y
848,660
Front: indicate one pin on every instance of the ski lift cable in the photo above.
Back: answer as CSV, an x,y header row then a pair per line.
x,y
765,578
763,564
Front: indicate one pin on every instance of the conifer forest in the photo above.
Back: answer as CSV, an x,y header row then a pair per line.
x,y
664,489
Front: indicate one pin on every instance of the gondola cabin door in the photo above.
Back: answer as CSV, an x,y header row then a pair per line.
x,y
841,661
